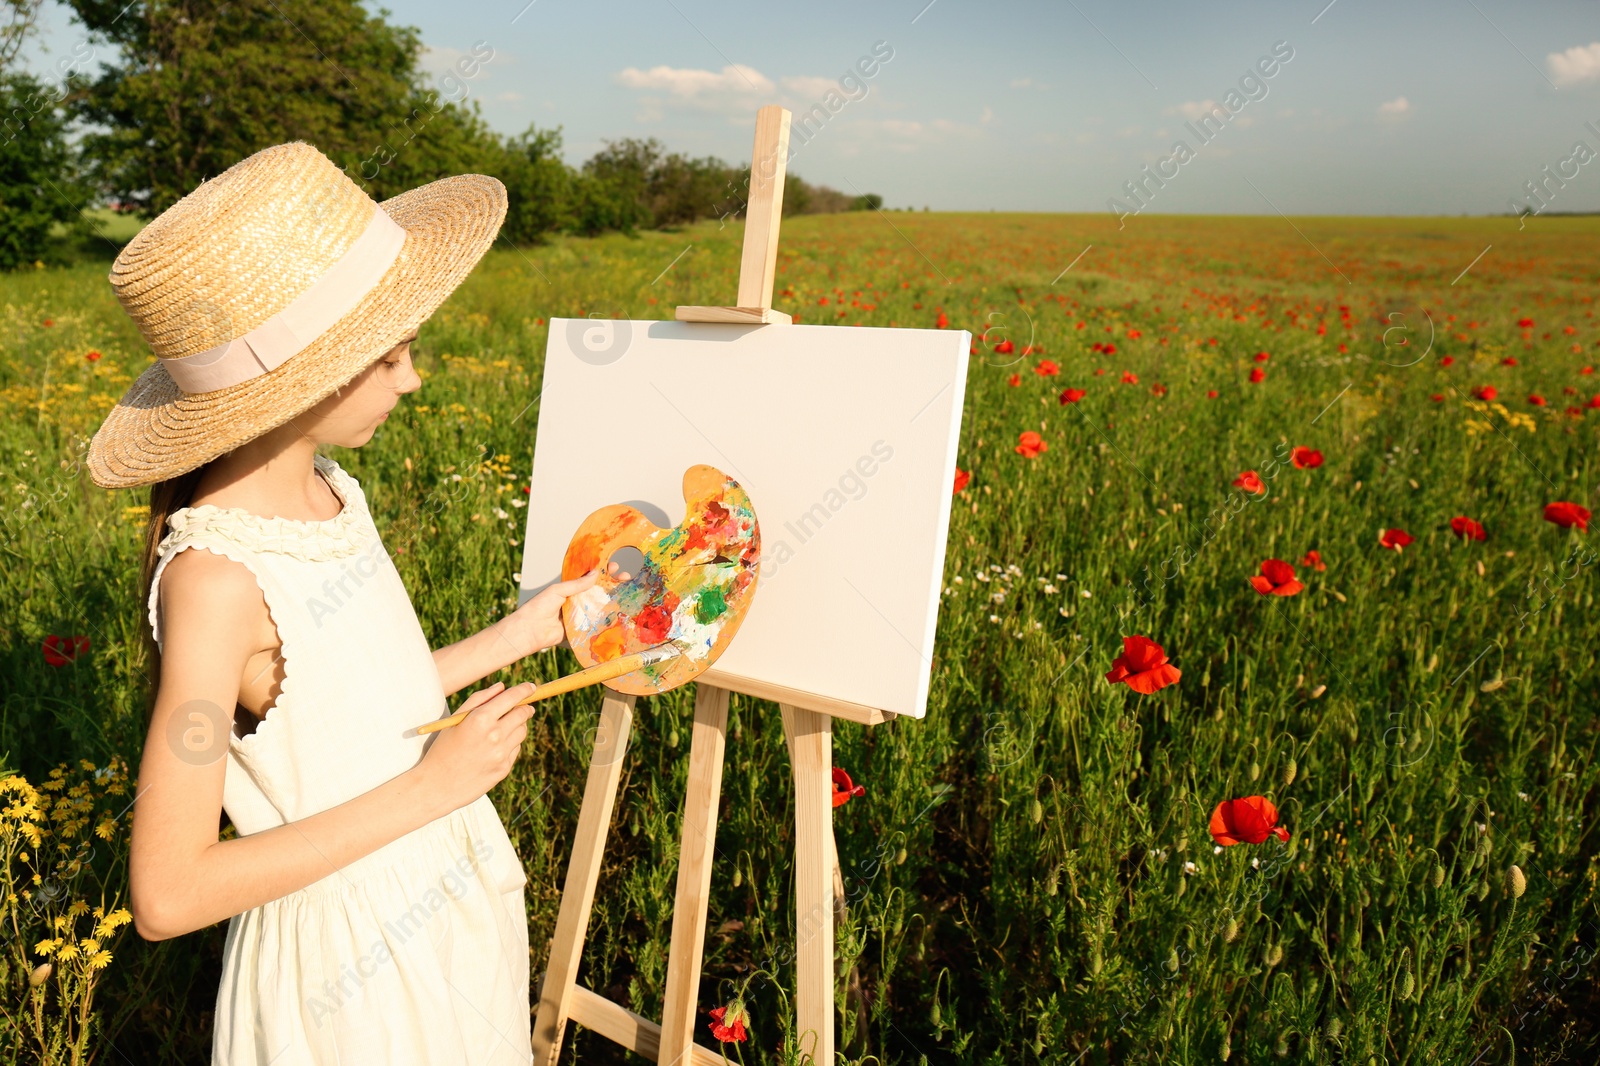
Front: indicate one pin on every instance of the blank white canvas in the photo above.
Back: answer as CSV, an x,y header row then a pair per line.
x,y
844,437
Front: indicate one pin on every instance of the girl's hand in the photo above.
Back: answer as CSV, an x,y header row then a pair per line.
x,y
536,625
467,760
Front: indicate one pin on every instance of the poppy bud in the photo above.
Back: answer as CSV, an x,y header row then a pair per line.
x,y
1483,890
1433,662
1255,769
1036,812
41,974
1273,955
633,826
1317,692
1172,961
1183,886
1281,1049
900,857
738,877
1227,1047
1408,985
1052,883
1516,882
1438,875
1095,963
1335,1027
1230,930
672,739
935,1017
1183,842
1288,773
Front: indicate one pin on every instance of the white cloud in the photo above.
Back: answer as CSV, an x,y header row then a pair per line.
x,y
697,85
1196,109
812,88
509,97
1575,66
1397,108
987,116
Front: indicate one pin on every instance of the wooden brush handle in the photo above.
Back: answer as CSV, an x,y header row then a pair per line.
x,y
594,675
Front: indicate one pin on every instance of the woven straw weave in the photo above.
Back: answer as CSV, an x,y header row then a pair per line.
x,y
235,252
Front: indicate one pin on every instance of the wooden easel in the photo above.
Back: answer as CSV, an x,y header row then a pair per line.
x,y
807,727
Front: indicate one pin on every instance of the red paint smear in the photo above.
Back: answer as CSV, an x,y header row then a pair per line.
x,y
653,624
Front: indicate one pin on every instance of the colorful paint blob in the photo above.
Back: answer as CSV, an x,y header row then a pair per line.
x,y
693,588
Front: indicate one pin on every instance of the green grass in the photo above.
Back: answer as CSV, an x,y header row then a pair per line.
x,y
1016,869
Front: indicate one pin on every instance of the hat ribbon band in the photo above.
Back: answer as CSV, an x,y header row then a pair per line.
x,y
316,310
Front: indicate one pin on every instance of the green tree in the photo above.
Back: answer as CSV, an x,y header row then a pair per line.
x,y
541,189
38,188
201,84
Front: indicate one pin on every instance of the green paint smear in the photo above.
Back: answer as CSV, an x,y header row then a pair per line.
x,y
709,605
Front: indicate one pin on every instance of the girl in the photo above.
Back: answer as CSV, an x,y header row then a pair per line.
x,y
374,903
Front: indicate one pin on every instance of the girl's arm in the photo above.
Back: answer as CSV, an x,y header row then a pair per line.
x,y
534,626
181,876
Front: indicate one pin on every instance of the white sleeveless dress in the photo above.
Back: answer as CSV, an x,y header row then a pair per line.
x,y
417,952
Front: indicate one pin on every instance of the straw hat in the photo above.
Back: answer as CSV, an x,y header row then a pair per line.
x,y
267,288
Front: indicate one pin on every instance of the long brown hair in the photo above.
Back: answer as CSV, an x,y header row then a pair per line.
x,y
165,497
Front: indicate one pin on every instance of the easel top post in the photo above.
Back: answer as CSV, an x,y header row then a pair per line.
x,y
763,214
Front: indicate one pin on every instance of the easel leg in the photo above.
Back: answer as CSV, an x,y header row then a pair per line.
x,y
695,852
588,848
810,737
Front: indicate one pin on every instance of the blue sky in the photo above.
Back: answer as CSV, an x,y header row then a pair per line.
x,y
1428,107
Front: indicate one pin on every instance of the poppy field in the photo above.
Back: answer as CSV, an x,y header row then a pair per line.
x,y
1264,712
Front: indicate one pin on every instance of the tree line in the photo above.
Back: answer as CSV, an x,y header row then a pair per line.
x,y
155,96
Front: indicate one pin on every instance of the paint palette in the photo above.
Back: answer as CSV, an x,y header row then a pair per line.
x,y
694,586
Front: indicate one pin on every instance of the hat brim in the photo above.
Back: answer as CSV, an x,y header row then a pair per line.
x,y
157,431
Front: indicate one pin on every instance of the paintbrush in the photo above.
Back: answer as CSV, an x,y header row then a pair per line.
x,y
594,675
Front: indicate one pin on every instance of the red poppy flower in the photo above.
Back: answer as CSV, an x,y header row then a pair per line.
x,y
1594,401
92,355
1525,323
1014,380
844,788
1110,349
1100,372
59,651
1276,579
1467,529
1587,369
1250,820
1135,334
1313,560
1576,412
1262,357
1029,445
1158,389
1142,666
1536,399
1437,397
1304,457
1448,360
1046,367
962,477
1509,360
1005,347
49,321
1566,515
734,1031
1250,481
1211,394
1130,378
1072,395
1395,538
1258,375
943,322
1486,392
1095,347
